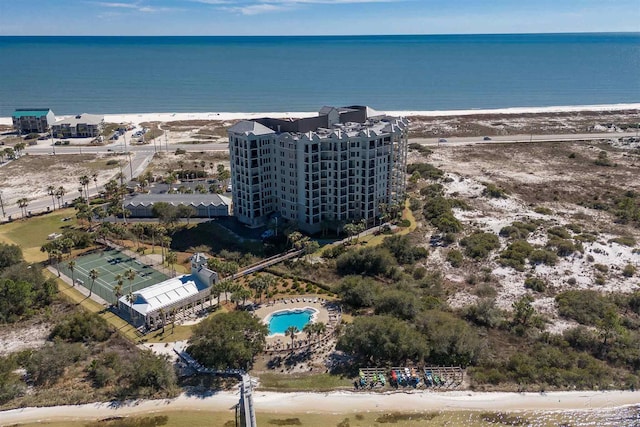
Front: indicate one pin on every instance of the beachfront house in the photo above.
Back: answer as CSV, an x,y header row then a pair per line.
x,y
340,166
80,126
32,120
151,307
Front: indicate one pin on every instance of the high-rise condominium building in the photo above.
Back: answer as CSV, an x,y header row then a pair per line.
x,y
343,165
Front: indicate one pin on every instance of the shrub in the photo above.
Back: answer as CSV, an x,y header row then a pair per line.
x,y
81,327
454,257
419,273
603,159
480,244
536,284
438,210
112,162
426,170
516,254
398,304
491,190
601,268
543,211
181,151
420,148
367,261
358,292
403,251
415,204
563,247
629,270
334,251
558,231
583,306
483,313
404,223
624,240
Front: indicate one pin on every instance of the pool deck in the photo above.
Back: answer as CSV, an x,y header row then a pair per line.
x,y
301,302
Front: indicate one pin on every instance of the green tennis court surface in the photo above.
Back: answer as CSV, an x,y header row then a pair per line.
x,y
109,264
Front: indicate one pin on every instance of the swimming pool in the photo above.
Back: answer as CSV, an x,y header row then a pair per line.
x,y
281,320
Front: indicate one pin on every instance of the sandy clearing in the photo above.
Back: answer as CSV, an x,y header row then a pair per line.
x,y
337,403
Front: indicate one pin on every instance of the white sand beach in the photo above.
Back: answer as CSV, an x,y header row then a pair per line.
x,y
138,118
338,403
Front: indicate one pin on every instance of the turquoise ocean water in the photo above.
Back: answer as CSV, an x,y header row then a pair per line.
x,y
193,74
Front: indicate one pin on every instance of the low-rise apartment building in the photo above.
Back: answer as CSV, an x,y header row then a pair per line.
x,y
318,172
80,126
32,120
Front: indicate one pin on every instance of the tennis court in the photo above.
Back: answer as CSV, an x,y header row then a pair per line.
x,y
109,264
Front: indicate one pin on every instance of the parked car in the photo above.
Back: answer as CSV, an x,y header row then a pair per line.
x,y
487,138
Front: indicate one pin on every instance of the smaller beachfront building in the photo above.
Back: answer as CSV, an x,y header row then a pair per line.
x,y
32,120
205,205
81,126
151,307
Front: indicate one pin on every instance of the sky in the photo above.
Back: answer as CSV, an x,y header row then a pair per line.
x,y
314,17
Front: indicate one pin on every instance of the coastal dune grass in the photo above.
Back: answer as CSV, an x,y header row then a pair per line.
x,y
355,419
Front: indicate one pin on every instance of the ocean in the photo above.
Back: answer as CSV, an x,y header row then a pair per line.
x,y
264,74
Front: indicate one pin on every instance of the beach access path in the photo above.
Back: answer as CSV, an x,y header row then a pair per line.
x,y
343,402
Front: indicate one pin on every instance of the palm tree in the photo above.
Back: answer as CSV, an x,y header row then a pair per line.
x,y
84,182
51,190
173,319
309,330
130,299
22,204
291,332
93,275
130,275
163,318
172,258
72,265
94,176
117,291
319,328
60,192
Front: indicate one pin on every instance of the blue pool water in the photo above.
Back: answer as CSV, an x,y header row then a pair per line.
x,y
280,321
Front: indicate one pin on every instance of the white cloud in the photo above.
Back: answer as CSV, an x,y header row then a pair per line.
x,y
136,6
255,9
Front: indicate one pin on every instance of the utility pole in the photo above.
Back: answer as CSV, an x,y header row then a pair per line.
x,y
130,167
52,144
2,204
166,142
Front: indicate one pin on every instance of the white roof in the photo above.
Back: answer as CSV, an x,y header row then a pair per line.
x,y
164,293
248,127
84,118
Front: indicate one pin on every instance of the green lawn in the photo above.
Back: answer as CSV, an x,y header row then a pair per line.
x,y
31,233
303,382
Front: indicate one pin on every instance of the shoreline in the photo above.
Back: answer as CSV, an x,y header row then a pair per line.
x,y
338,403
138,118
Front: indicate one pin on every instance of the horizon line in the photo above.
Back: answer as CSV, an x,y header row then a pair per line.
x,y
323,35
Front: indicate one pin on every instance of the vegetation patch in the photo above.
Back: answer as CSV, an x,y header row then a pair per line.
x,y
396,417
480,244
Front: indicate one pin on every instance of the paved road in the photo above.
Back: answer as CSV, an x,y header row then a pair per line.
x,y
44,147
